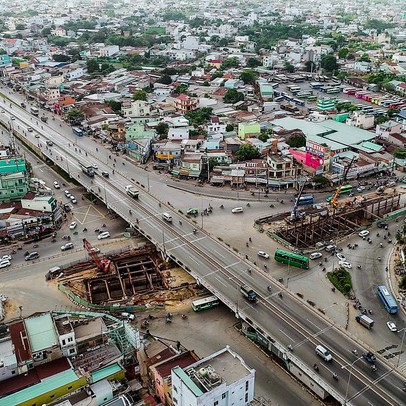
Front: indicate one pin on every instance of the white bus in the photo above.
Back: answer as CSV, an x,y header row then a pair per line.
x,y
205,303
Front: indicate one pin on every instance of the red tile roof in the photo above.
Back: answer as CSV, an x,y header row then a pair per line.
x,y
20,341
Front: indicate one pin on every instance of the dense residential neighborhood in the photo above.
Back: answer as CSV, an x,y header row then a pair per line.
x,y
263,98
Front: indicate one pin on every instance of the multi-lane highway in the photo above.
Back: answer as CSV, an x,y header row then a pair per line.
x,y
282,320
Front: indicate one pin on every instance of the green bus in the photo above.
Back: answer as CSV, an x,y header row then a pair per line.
x,y
292,259
205,303
344,189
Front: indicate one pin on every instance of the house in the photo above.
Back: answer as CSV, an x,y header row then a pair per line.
x,y
222,378
184,104
250,129
137,108
388,128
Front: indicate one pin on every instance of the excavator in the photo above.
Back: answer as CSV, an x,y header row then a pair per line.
x,y
103,264
344,179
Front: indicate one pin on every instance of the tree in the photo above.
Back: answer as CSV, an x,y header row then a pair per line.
x,y
229,127
165,79
253,63
140,95
329,63
310,66
296,141
115,105
247,152
74,116
399,153
249,77
181,89
20,27
230,63
364,58
162,130
342,53
92,65
199,117
289,67
263,137
45,32
233,96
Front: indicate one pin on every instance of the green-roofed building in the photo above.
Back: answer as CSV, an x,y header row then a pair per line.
x,y
46,391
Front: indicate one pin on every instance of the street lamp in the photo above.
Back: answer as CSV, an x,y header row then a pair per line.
x,y
401,346
21,308
349,378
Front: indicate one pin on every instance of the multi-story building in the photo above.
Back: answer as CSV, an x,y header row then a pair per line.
x,y
221,379
13,178
184,103
137,108
280,166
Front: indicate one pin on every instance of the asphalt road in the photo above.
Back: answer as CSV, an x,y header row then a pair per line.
x,y
224,270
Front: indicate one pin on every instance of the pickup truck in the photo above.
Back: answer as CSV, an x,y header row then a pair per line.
x,y
132,191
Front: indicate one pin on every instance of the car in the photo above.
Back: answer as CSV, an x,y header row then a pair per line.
x,y
29,129
382,224
95,249
360,188
67,193
363,233
6,258
392,326
71,197
12,118
95,166
341,257
103,235
36,135
73,225
315,255
128,316
105,174
345,264
74,201
50,143
4,263
31,255
67,207
263,254
67,246
56,185
237,210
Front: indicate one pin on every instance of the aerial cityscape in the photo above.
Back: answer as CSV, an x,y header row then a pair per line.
x,y
202,203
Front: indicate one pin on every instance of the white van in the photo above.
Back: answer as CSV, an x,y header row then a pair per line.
x,y
237,210
324,353
167,217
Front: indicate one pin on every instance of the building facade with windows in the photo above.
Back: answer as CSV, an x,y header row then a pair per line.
x,y
221,379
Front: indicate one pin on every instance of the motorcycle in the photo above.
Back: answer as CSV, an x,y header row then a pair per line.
x,y
316,367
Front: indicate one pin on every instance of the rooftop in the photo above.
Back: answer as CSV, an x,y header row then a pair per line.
x,y
41,332
90,328
224,366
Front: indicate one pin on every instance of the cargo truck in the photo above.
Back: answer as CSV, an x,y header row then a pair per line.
x,y
249,293
87,169
364,320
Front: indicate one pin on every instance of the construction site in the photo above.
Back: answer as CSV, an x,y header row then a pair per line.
x,y
305,228
136,277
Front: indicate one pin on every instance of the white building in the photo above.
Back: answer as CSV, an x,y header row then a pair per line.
x,y
361,120
74,74
108,51
137,108
221,379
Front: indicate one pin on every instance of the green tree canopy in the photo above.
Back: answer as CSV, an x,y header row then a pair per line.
x,y
247,152
296,141
249,77
329,63
229,127
74,116
140,95
165,79
162,130
253,63
399,153
199,117
233,96
92,65
230,63
115,105
289,67
60,58
310,66
342,53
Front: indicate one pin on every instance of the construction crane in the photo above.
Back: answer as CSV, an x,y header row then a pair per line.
x,y
336,194
293,213
103,264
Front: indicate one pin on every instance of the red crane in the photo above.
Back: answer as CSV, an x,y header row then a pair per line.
x,y
102,264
